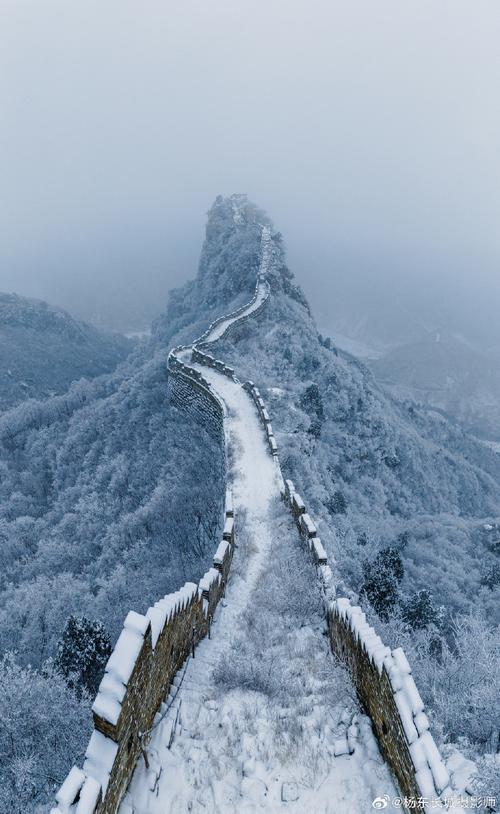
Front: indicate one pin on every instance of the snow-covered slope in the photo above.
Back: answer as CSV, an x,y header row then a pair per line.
x,y
378,472
447,373
43,349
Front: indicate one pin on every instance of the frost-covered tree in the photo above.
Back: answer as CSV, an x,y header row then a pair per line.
x,y
44,727
486,783
419,611
491,575
82,653
382,577
337,503
311,402
459,681
464,684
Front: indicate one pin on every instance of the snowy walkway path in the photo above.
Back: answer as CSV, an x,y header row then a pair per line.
x,y
222,757
220,751
222,327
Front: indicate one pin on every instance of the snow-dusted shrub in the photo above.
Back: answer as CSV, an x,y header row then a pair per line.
x,y
275,651
487,781
464,684
82,653
457,674
337,504
382,577
420,611
42,724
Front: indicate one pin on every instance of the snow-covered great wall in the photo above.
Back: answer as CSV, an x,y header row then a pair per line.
x,y
162,655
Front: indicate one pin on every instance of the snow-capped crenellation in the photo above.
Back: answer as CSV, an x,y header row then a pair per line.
x,y
265,420
390,696
150,650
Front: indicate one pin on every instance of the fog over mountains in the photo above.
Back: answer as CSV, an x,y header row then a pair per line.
x,y
434,340
43,350
110,496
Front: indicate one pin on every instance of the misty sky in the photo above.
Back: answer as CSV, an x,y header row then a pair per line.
x,y
369,130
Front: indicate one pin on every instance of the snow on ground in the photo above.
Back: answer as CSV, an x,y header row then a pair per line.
x,y
353,346
222,327
494,445
262,710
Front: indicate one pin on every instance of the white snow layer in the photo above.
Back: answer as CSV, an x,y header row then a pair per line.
x,y
432,776
213,760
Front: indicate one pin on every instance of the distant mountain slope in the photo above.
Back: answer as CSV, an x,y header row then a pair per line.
x,y
447,373
43,349
435,341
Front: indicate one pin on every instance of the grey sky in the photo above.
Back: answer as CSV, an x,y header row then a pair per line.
x,y
369,130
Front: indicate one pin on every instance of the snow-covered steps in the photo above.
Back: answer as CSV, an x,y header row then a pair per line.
x,y
255,486
242,750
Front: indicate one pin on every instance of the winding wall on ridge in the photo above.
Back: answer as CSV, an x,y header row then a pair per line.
x,y
154,646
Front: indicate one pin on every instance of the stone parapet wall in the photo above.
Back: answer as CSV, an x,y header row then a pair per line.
x,y
210,361
390,697
241,312
265,420
243,318
149,652
153,647
193,396
383,680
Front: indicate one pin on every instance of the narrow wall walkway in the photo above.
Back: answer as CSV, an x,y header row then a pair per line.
x,y
219,330
235,751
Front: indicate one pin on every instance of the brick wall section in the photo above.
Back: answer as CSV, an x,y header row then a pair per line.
x,y
152,648
388,692
377,697
189,394
149,652
132,689
382,677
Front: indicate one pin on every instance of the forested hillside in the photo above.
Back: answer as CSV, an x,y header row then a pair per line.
x,y
43,349
109,498
378,472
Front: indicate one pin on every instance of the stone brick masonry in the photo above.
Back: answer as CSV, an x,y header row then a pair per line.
x,y
152,648
149,652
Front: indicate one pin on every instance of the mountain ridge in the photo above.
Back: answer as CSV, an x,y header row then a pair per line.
x,y
43,349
